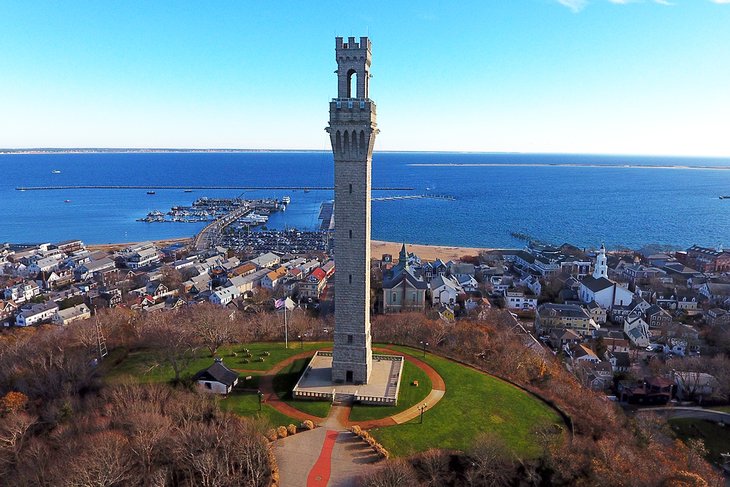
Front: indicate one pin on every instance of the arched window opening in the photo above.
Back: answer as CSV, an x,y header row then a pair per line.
x,y
351,83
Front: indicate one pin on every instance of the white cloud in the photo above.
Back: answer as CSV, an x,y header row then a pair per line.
x,y
721,1
574,5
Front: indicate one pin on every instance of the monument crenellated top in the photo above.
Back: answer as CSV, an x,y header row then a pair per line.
x,y
352,44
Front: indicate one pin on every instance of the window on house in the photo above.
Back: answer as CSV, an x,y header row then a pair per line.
x,y
395,297
208,385
349,338
350,278
350,233
350,187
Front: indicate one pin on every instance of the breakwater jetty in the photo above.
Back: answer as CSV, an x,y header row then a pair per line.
x,y
158,187
415,197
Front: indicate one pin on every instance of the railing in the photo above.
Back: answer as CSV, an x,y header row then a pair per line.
x,y
313,395
375,400
394,358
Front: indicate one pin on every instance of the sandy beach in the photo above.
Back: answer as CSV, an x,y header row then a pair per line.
x,y
425,252
377,247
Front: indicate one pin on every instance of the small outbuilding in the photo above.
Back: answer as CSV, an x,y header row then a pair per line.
x,y
217,378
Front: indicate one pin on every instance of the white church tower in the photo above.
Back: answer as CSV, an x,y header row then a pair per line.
x,y
601,269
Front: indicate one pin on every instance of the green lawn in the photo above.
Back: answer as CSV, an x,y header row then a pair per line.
x,y
285,381
473,403
141,364
247,404
716,437
408,395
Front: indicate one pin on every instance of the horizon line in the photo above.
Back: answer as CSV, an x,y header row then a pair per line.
x,y
89,150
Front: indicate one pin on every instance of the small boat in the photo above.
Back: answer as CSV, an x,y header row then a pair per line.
x,y
150,192
286,200
306,190
67,201
56,171
725,197
188,191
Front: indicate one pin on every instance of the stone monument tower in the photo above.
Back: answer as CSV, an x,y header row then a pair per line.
x,y
352,130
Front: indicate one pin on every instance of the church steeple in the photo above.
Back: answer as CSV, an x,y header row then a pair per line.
x,y
601,269
403,256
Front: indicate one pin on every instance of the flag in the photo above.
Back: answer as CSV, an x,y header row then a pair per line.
x,y
289,304
279,303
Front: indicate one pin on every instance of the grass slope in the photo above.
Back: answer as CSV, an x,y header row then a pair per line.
x,y
142,366
247,404
408,395
474,402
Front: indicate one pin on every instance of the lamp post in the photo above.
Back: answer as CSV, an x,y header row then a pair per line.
x,y
421,409
424,344
261,396
301,341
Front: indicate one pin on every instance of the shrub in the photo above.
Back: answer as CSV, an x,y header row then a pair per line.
x,y
271,434
291,429
307,425
281,432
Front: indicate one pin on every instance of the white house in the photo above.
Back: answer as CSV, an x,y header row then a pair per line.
x,y
37,313
216,379
69,315
47,264
637,330
581,353
518,300
224,295
601,289
22,292
444,290
140,255
266,260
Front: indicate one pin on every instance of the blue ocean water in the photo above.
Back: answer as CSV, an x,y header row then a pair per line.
x,y
624,201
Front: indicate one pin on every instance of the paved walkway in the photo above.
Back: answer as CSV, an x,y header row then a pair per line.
x,y
326,456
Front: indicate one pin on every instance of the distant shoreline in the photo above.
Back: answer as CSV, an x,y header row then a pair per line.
x,y
548,164
160,150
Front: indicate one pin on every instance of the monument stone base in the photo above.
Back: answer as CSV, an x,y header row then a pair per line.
x,y
382,389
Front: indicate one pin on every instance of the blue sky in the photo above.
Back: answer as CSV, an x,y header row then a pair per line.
x,y
577,76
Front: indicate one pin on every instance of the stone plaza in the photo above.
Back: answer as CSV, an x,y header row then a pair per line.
x,y
382,388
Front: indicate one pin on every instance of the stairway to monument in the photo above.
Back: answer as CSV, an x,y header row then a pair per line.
x,y
343,399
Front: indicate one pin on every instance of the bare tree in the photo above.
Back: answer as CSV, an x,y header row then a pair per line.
x,y
174,343
492,464
395,473
213,325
